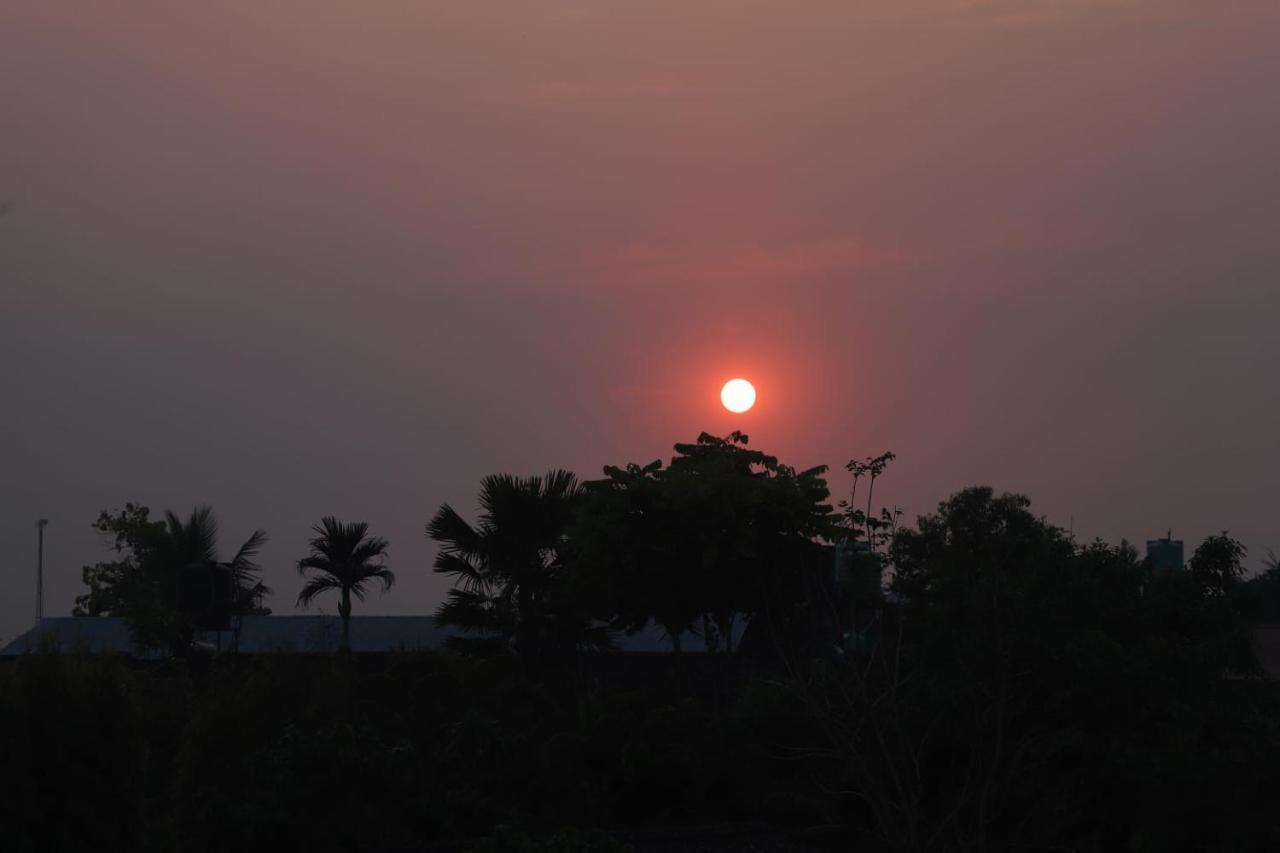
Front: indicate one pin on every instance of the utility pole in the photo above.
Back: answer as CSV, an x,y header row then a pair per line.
x,y
40,525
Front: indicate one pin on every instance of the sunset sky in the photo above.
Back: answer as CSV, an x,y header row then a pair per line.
x,y
300,258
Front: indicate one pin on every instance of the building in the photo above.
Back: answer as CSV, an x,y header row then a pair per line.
x,y
1165,554
305,634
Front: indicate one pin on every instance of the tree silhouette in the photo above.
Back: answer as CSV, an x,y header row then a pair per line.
x,y
114,584
1216,563
1260,595
247,587
1020,662
627,541
725,531
748,525
195,541
345,558
509,567
142,585
877,531
861,555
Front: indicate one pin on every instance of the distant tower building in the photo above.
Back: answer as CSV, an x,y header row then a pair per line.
x,y
1165,554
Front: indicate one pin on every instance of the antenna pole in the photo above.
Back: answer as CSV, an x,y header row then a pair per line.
x,y
40,525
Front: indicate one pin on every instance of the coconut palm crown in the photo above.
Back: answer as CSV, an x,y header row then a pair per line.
x,y
345,558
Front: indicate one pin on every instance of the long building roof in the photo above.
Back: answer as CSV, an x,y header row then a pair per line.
x,y
290,634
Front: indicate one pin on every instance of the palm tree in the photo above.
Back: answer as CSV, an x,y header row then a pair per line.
x,y
508,568
181,544
192,541
346,558
247,588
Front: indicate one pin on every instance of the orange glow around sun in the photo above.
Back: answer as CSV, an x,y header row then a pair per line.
x,y
738,395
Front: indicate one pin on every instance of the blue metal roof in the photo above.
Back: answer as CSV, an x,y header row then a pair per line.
x,y
291,634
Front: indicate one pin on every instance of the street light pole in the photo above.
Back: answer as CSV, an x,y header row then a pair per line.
x,y
40,525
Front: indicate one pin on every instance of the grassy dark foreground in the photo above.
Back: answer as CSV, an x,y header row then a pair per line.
x,y
434,752
393,752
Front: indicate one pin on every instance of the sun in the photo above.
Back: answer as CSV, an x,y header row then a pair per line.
x,y
738,395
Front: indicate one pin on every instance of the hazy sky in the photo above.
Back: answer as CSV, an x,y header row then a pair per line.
x,y
313,257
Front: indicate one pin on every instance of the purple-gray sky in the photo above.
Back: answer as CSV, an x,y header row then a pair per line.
x,y
311,257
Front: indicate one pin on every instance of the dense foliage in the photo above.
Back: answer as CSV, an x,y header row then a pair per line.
x,y
510,569
1007,688
724,533
141,584
344,753
1032,692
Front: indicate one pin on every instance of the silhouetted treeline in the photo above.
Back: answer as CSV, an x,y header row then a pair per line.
x,y
723,535
143,583
1003,688
150,579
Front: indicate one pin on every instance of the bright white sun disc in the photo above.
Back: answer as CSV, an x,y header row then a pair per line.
x,y
738,395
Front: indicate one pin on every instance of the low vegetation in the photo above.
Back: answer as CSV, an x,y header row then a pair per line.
x,y
977,680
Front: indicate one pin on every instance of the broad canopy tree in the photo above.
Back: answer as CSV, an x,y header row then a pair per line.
x,y
116,585
724,531
141,585
627,540
1022,662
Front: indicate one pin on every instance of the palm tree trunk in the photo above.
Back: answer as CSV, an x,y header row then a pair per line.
x,y
677,666
344,610
529,633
